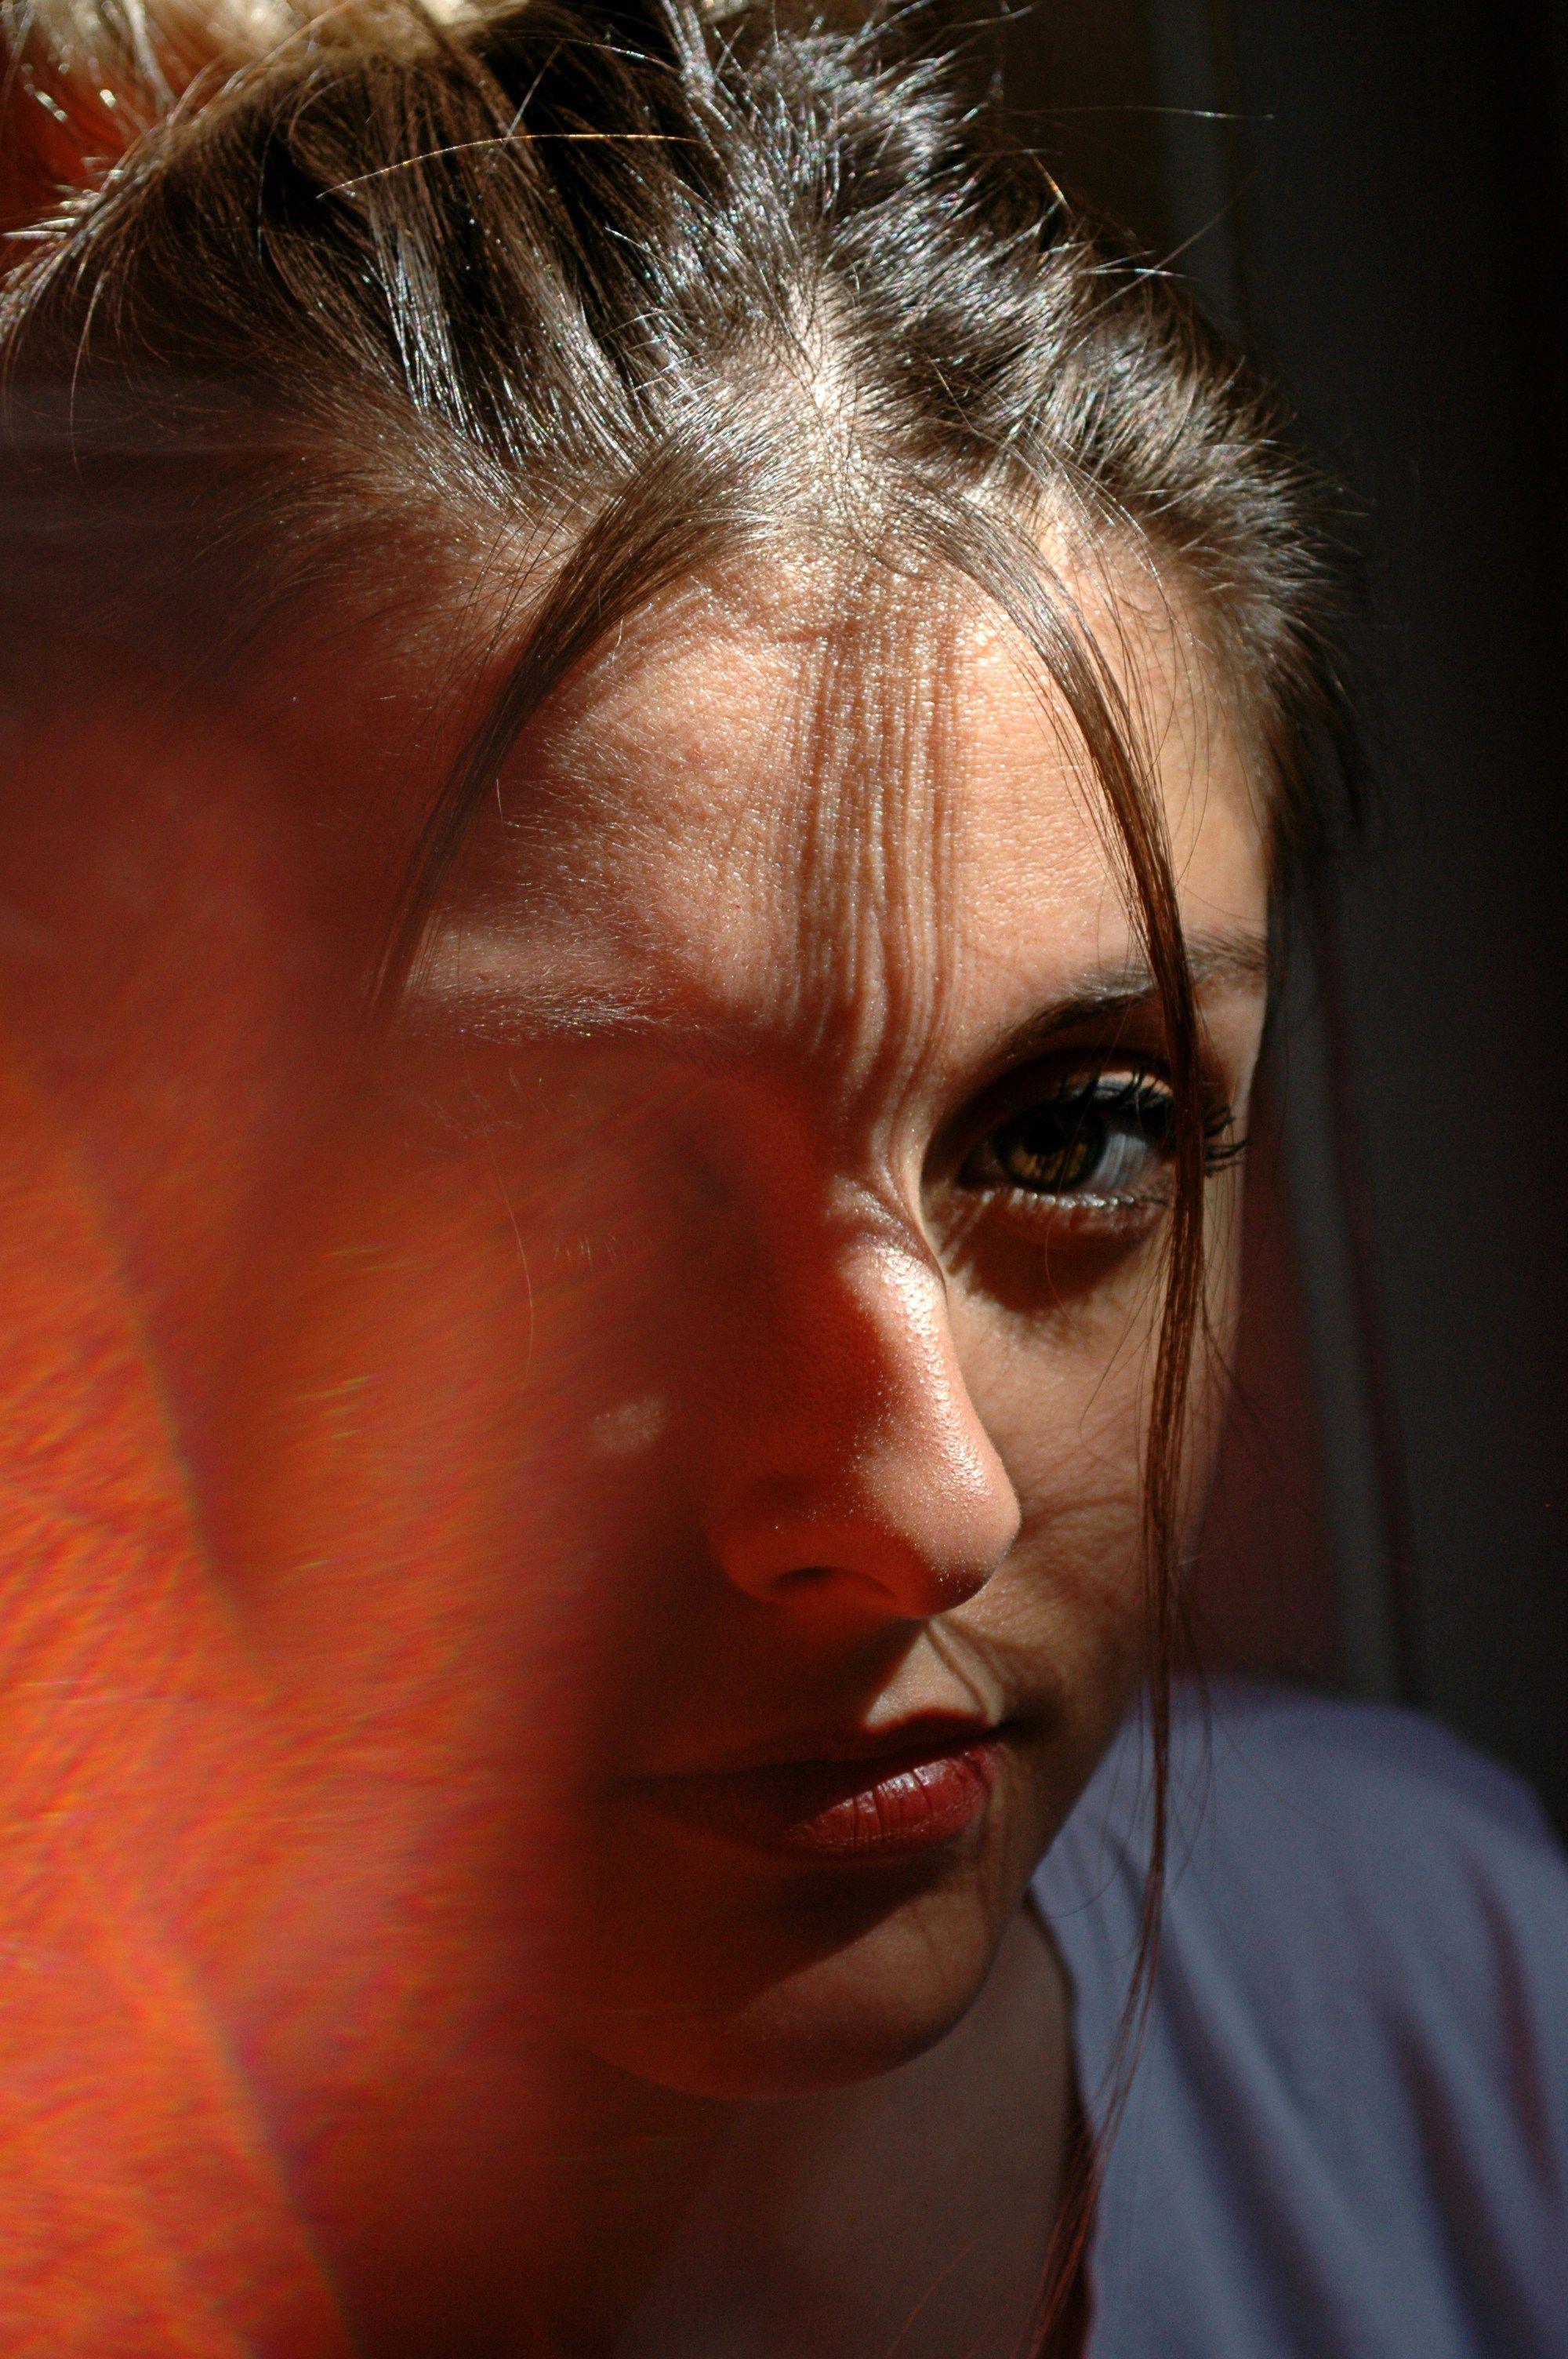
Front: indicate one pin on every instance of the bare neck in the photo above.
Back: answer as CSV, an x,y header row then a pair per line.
x,y
913,2212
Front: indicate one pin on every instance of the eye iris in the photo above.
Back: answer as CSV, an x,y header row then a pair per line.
x,y
1051,1156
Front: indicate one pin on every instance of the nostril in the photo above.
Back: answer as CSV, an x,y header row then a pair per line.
x,y
841,1583
908,1559
805,1577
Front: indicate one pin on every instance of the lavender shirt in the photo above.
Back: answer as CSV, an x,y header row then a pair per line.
x,y
1346,2136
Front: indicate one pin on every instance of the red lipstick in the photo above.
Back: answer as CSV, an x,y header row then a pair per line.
x,y
887,1805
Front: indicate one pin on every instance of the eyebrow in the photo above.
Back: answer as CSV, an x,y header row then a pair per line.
x,y
585,1010
1218,961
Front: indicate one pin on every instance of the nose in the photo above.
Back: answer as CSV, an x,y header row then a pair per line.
x,y
861,1474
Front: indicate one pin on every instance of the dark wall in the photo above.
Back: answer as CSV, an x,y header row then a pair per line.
x,y
1403,257
1372,190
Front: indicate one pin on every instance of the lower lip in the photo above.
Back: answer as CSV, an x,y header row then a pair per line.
x,y
892,1807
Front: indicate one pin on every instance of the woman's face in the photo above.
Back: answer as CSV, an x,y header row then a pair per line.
x,y
682,1449
789,1007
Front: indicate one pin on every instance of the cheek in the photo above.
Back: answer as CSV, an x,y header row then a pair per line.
x,y
384,1489
1063,1392
1066,1402
1061,1374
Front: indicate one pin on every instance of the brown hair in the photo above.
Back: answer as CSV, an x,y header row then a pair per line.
x,y
594,293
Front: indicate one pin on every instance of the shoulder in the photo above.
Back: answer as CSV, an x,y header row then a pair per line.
x,y
1354,2075
1269,1786
1370,1830
1320,1847
1288,1794
1267,1745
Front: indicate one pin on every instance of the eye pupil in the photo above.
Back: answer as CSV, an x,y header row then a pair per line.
x,y
1049,1156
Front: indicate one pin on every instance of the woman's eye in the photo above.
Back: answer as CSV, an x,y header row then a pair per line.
x,y
1103,1141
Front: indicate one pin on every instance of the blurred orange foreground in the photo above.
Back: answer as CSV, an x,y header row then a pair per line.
x,y
142,2208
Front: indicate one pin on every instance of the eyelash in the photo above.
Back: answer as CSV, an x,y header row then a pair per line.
x,y
1085,1118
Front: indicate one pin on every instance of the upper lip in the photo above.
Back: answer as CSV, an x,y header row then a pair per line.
x,y
928,1732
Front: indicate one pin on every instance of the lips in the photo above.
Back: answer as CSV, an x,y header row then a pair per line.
x,y
891,1805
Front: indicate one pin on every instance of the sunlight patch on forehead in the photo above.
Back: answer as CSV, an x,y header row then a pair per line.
x,y
754,795
823,806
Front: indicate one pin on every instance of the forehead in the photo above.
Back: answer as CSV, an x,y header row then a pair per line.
x,y
807,804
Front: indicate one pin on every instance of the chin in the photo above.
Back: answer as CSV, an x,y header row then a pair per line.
x,y
864,2009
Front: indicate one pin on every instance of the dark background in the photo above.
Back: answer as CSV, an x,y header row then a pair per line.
x,y
1371,194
